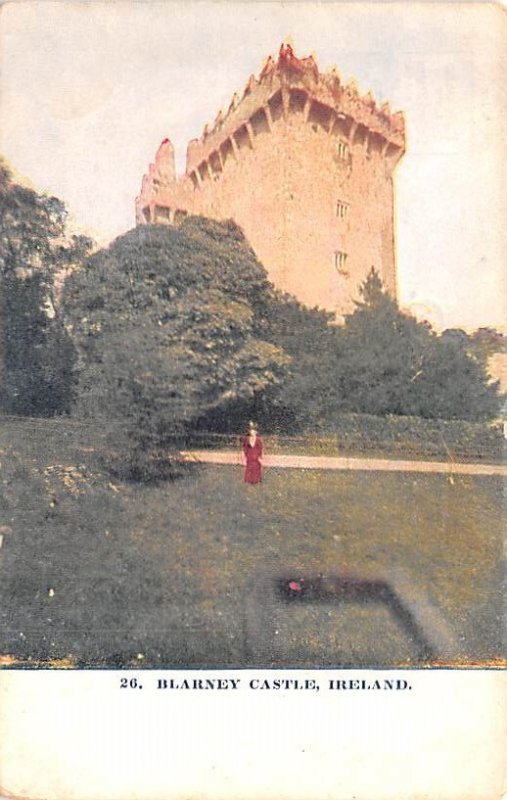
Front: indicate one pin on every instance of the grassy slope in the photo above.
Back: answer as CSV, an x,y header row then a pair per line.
x,y
170,571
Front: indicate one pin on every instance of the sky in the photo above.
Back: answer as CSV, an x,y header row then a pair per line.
x,y
88,90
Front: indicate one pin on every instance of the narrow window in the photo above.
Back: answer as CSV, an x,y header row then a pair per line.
x,y
343,150
340,262
342,209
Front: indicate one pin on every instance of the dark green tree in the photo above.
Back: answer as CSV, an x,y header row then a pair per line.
x,y
167,324
311,339
392,364
455,383
39,355
36,353
381,355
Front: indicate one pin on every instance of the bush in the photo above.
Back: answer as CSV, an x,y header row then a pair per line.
x,y
405,434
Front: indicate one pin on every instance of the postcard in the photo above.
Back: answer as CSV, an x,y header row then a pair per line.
x,y
253,375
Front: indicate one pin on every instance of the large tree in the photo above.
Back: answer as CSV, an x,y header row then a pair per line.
x,y
36,354
167,322
381,355
389,363
309,337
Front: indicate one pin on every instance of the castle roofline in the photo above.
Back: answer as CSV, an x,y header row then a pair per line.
x,y
288,73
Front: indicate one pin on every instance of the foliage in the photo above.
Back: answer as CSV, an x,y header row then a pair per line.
x,y
454,384
382,361
308,336
30,224
187,301
481,344
36,354
392,364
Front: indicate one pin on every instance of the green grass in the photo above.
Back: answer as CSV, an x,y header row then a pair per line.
x,y
180,573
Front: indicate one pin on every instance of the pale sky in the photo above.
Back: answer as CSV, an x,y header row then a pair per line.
x,y
88,91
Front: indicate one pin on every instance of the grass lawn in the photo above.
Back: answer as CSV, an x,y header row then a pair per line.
x,y
182,573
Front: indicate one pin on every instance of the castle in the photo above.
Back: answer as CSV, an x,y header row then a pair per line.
x,y
304,166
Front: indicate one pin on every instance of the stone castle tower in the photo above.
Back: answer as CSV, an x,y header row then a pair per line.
x,y
305,166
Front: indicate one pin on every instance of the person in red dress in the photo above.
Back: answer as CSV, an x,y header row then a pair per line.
x,y
252,448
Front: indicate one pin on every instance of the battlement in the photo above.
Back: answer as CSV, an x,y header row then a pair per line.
x,y
291,85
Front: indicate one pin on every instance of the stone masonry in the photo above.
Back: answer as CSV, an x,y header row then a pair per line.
x,y
304,166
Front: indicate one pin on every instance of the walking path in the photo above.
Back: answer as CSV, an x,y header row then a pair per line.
x,y
344,463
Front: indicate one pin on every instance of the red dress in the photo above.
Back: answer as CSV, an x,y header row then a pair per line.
x,y
253,469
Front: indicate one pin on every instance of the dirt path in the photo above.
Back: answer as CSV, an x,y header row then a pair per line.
x,y
333,462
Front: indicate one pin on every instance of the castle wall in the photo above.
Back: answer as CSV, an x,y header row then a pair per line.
x,y
310,186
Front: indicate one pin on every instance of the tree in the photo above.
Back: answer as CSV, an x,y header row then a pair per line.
x,y
381,361
38,376
310,338
36,354
392,364
455,384
30,226
167,324
381,355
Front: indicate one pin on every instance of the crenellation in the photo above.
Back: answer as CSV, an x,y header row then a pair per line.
x,y
309,155
305,79
234,103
